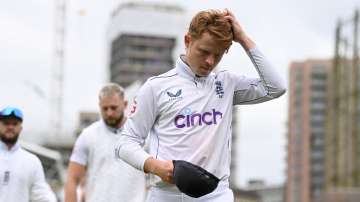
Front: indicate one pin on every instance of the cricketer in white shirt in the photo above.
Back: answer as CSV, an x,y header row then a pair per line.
x,y
93,157
104,182
22,176
189,117
187,111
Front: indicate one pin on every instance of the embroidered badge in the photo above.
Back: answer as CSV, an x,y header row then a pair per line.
x,y
219,90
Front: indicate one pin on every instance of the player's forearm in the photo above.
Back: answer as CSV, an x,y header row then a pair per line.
x,y
131,152
70,191
271,80
246,42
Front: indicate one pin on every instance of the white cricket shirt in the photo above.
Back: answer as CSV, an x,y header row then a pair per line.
x,y
22,176
107,179
189,117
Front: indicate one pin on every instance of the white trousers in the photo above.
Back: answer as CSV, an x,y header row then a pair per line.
x,y
221,194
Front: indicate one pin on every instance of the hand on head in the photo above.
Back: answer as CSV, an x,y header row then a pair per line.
x,y
238,31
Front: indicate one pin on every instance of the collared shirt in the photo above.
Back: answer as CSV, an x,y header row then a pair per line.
x,y
189,117
106,180
22,176
114,130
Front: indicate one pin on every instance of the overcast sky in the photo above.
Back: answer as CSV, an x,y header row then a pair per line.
x,y
284,30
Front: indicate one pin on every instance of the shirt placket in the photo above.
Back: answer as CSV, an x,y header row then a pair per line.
x,y
5,172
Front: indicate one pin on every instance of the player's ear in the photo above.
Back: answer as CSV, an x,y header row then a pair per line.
x,y
187,40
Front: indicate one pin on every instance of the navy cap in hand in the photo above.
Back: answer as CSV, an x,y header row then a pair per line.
x,y
193,180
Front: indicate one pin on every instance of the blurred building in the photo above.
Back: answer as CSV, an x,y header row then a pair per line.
x,y
343,127
324,145
147,44
65,145
234,166
258,191
306,135
343,142
86,118
241,195
340,195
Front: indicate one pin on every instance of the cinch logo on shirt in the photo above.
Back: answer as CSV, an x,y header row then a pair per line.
x,y
193,119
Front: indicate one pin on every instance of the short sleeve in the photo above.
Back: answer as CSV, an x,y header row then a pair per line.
x,y
80,151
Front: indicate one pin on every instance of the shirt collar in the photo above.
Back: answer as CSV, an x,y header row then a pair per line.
x,y
115,131
184,70
4,147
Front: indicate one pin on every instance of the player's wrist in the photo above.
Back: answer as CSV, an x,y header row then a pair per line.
x,y
150,165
